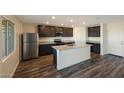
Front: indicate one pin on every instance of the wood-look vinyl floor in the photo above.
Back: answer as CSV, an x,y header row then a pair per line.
x,y
107,66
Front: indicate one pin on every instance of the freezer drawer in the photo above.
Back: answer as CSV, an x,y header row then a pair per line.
x,y
30,50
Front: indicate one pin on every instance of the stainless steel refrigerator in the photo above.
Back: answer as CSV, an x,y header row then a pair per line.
x,y
29,46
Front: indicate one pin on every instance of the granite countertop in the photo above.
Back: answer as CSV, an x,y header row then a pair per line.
x,y
42,43
97,42
52,42
66,47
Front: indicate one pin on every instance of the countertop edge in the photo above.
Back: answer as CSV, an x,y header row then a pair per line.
x,y
66,47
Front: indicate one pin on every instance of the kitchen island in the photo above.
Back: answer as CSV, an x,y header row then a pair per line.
x,y
45,48
68,55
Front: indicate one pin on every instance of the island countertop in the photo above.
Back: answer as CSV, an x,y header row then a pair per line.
x,y
52,42
66,47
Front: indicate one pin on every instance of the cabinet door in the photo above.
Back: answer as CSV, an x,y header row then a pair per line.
x,y
43,31
96,48
68,32
46,31
90,32
65,32
97,31
59,29
52,30
94,31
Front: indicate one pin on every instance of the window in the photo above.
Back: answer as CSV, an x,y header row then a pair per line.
x,y
7,37
10,37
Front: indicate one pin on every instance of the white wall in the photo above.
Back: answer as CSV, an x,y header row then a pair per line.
x,y
8,67
115,36
80,34
31,28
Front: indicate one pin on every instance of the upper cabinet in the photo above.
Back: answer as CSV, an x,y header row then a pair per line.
x,y
60,29
94,31
46,31
51,31
68,32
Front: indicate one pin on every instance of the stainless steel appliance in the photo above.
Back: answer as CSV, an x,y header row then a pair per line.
x,y
30,46
59,34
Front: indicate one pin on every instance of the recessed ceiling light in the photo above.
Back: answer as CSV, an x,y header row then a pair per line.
x,y
62,24
84,23
53,17
72,25
47,22
71,20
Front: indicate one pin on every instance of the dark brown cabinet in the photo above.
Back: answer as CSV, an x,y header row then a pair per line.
x,y
94,31
60,29
90,32
95,47
68,32
50,31
97,31
46,31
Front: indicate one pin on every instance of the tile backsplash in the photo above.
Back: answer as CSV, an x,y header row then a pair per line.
x,y
50,39
93,39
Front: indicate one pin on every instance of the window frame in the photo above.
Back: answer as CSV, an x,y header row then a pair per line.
x,y
5,58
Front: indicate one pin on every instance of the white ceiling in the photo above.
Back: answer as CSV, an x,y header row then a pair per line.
x,y
65,19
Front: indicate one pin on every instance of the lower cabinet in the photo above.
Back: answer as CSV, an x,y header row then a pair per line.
x,y
95,47
45,49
